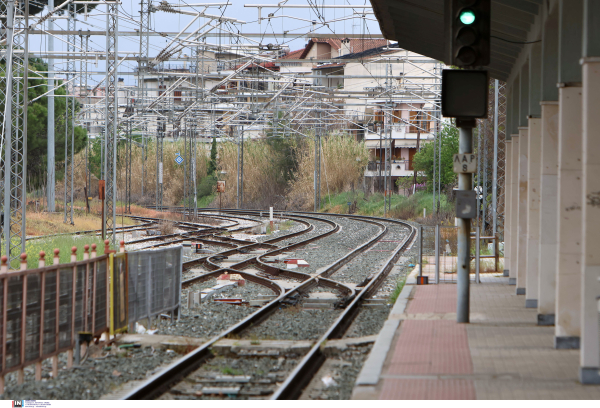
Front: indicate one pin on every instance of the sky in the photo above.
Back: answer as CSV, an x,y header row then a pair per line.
x,y
295,21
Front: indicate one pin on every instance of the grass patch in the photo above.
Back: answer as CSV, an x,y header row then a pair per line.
x,y
406,208
365,205
286,225
64,243
399,286
206,201
231,371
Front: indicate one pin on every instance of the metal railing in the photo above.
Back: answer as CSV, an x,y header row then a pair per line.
x,y
438,251
375,165
46,311
154,282
42,309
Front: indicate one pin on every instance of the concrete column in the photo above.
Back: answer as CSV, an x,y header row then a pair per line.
x,y
549,170
548,214
533,212
570,173
590,288
514,205
507,202
522,210
568,278
590,342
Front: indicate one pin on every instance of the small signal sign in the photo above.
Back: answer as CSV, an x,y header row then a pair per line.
x,y
178,158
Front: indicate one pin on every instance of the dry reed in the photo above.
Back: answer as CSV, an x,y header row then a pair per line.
x,y
166,227
173,174
261,175
343,161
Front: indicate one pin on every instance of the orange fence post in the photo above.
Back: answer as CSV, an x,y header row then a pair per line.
x,y
3,270
55,357
21,371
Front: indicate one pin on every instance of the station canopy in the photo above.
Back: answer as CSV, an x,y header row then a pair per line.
x,y
420,26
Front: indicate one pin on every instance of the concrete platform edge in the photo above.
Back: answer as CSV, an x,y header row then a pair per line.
x,y
371,370
411,279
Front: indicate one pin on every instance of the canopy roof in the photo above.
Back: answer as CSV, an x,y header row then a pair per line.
x,y
419,26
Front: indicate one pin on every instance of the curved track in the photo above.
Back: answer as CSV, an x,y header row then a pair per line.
x,y
351,297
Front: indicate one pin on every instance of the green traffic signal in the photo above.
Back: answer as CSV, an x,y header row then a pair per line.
x,y
467,17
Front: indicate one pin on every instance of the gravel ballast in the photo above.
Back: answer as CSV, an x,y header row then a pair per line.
x,y
265,373
211,318
293,323
95,378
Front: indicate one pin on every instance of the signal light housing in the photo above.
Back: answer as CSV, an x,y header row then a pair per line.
x,y
470,33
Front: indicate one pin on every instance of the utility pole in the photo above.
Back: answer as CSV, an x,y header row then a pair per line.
x,y
317,176
142,69
237,179
495,163
418,148
83,69
159,162
128,152
380,158
242,170
69,118
51,177
464,228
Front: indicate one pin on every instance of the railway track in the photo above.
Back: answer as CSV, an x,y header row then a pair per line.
x,y
256,268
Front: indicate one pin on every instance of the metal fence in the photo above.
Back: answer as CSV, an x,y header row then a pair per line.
x,y
439,253
42,309
154,282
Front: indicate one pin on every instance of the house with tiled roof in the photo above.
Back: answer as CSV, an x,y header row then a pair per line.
x,y
357,68
366,78
324,48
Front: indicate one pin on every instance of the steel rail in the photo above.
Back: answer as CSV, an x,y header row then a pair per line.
x,y
162,381
303,373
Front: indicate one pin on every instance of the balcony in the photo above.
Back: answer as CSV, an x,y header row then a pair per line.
x,y
400,168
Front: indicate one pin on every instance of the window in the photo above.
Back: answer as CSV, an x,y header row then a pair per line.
x,y
414,122
411,155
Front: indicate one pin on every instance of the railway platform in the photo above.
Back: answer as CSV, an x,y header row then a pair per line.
x,y
422,353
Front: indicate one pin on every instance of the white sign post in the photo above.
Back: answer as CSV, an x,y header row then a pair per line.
x,y
465,163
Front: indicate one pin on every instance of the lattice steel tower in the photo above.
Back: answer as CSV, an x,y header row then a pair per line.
x,y
110,134
13,89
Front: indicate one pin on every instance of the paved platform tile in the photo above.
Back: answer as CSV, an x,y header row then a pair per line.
x,y
425,389
431,347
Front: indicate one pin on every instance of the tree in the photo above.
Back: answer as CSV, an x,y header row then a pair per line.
x,y
37,125
212,165
423,161
285,146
